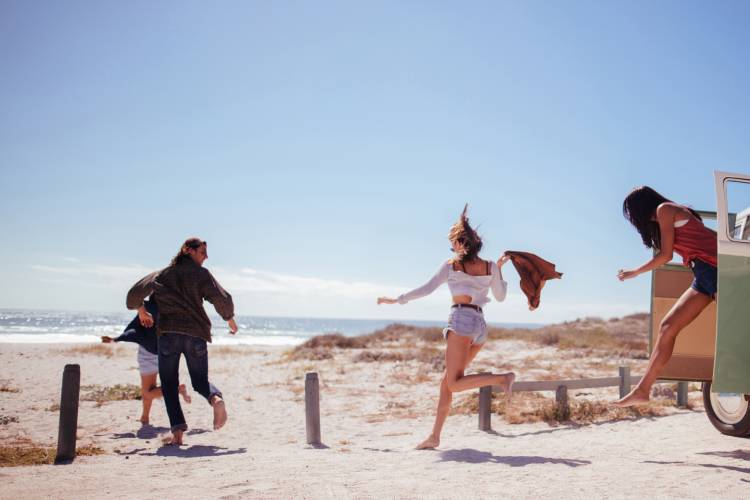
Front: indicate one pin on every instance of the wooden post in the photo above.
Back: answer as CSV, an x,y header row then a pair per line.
x,y
682,394
66,434
624,381
312,408
485,403
562,409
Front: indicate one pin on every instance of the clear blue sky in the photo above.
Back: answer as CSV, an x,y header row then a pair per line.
x,y
324,148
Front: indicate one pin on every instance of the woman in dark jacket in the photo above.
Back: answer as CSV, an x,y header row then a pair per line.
x,y
184,327
142,331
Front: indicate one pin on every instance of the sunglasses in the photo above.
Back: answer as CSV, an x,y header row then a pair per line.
x,y
195,245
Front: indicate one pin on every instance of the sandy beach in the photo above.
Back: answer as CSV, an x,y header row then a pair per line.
x,y
377,403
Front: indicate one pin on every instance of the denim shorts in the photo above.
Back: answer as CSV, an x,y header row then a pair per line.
x,y
704,280
467,322
148,363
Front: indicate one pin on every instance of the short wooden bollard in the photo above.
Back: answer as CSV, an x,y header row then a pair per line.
x,y
682,394
66,434
624,381
562,409
312,408
485,403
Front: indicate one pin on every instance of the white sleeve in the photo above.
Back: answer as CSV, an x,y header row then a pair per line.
x,y
441,276
498,285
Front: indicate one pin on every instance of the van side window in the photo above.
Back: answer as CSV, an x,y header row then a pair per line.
x,y
738,208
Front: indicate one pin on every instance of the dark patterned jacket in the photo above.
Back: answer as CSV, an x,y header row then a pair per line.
x,y
179,290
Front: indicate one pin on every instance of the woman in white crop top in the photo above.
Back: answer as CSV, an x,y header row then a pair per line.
x,y
469,279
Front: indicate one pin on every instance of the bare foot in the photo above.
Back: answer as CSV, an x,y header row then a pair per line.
x,y
184,394
636,397
430,443
143,420
220,413
176,439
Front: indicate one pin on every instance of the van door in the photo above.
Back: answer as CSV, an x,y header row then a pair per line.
x,y
732,360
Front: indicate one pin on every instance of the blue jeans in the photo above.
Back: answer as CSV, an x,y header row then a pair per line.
x,y
171,345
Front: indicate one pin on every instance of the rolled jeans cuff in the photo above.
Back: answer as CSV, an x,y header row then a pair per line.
x,y
179,427
214,392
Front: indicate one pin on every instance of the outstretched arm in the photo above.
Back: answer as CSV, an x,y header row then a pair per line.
x,y
221,300
440,277
665,215
498,285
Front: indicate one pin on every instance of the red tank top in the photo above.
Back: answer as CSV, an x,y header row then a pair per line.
x,y
695,241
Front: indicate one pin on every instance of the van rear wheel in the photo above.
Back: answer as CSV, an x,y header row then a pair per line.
x,y
729,413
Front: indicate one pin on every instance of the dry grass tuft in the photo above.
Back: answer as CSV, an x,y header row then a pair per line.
x,y
119,392
23,452
230,351
7,388
430,355
531,407
54,407
7,419
91,349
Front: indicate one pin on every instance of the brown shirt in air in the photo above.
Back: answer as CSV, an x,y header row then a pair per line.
x,y
179,291
534,271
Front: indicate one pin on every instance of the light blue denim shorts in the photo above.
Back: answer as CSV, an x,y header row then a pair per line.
x,y
148,363
467,322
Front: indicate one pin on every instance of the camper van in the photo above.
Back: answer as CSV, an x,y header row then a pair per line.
x,y
715,348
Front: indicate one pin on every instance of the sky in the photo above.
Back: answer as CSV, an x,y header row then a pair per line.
x,y
323,149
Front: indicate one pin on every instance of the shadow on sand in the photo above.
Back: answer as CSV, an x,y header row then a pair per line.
x,y
145,432
744,470
195,451
468,455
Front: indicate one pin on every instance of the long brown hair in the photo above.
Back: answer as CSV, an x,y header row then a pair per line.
x,y
639,207
466,237
182,255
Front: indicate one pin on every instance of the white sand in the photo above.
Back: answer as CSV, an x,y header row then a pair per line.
x,y
372,416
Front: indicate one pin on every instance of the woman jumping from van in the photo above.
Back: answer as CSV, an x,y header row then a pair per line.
x,y
469,279
670,227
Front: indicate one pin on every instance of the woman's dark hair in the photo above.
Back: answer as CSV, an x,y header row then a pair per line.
x,y
639,207
182,255
466,237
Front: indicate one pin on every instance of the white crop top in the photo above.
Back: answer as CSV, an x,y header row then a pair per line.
x,y
461,283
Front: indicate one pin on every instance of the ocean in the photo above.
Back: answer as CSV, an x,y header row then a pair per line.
x,y
40,326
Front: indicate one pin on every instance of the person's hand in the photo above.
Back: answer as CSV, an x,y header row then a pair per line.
x,y
623,275
107,339
502,260
145,317
232,326
386,300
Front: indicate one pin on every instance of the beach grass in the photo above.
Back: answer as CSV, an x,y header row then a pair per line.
x,y
533,407
106,350
23,452
7,388
103,394
7,419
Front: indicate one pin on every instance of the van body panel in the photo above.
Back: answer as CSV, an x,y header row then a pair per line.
x,y
732,362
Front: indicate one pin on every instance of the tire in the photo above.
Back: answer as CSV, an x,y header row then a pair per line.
x,y
732,417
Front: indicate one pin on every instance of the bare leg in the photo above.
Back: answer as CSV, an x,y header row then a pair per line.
x,y
458,354
149,392
685,310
